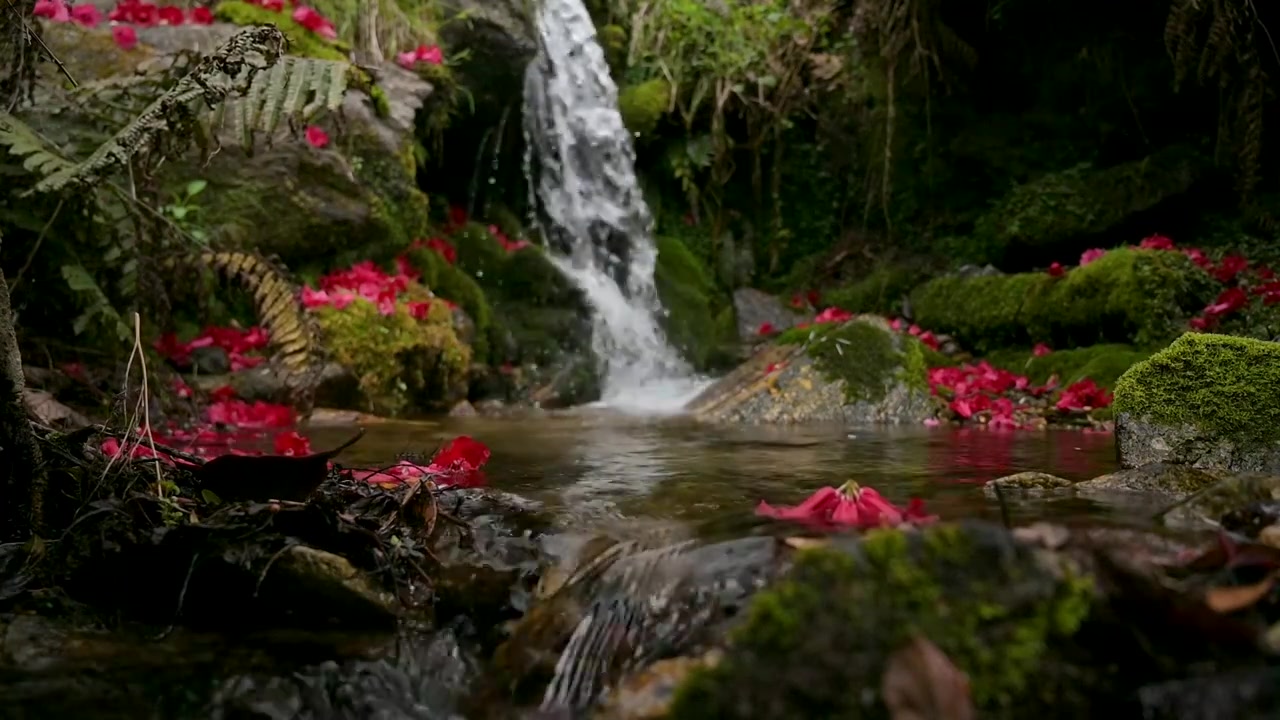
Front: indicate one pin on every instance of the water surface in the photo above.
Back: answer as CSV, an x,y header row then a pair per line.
x,y
593,465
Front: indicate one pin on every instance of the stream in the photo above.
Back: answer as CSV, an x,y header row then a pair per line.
x,y
588,468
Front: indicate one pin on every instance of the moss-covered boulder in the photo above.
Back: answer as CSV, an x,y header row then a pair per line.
x,y
1080,202
880,291
642,106
699,318
816,644
1211,401
1142,297
402,363
856,372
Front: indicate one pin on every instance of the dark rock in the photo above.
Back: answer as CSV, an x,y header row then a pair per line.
x,y
210,360
1173,481
755,308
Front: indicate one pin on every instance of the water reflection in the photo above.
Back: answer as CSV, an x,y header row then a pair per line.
x,y
593,465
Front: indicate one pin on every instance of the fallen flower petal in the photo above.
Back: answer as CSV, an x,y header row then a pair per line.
x,y
124,36
317,137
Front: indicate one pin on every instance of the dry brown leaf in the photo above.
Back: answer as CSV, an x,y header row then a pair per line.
x,y
1238,597
921,683
49,411
1270,535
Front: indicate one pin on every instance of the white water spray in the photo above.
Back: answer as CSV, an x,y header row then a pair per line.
x,y
581,169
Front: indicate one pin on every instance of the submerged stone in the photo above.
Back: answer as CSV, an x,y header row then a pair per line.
x,y
1028,483
1210,401
1173,481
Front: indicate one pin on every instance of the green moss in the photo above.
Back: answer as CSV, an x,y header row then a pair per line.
x,y
1133,296
613,39
642,106
1083,201
693,303
391,179
451,283
865,355
816,643
402,363
381,105
1104,364
1225,386
880,291
302,42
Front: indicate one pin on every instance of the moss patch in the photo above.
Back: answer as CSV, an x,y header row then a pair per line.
x,y
642,106
695,322
302,41
880,291
865,355
1104,364
451,283
816,643
402,363
1225,386
1127,296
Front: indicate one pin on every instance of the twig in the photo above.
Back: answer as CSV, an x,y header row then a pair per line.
x,y
166,449
47,51
182,599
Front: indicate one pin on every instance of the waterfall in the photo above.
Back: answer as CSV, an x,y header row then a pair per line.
x,y
587,202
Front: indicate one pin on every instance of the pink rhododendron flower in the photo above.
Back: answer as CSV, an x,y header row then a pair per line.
x,y
849,506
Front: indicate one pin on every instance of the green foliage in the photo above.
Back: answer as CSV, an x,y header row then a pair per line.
x,y
452,283
865,355
1128,296
1227,387
879,291
294,89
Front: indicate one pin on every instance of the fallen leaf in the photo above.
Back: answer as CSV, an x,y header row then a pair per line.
x,y
1270,536
921,683
1238,597
804,543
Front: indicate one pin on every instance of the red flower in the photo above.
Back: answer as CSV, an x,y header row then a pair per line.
x,y
125,37
849,506
1083,396
442,247
1229,301
765,329
429,54
86,15
457,464
1201,323
930,341
317,137
1229,268
55,10
170,15
311,19
273,5
1156,242
292,444
1040,350
1056,270
833,314
1090,255
201,16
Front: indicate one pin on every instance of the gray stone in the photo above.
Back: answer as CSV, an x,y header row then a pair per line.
x,y
1174,481
754,308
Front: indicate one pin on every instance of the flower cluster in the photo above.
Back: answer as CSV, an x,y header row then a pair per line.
x,y
457,464
236,343
306,16
999,398
366,281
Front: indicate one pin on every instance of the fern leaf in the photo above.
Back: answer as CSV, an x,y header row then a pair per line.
x,y
228,71
23,142
295,89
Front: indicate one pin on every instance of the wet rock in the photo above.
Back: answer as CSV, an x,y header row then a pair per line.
x,y
463,409
1208,401
858,372
647,695
421,678
500,36
1240,500
304,575
1173,481
674,600
754,308
210,360
1026,483
575,380
1242,695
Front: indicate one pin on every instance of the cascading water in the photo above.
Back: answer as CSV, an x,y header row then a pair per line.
x,y
582,184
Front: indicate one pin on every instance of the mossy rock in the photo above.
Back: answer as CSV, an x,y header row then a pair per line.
x,y
642,106
695,321
858,372
452,283
1082,201
403,364
302,41
816,643
1142,297
1211,401
1104,364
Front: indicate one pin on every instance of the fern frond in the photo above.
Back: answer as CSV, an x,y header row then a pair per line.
x,y
229,71
295,89
25,143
